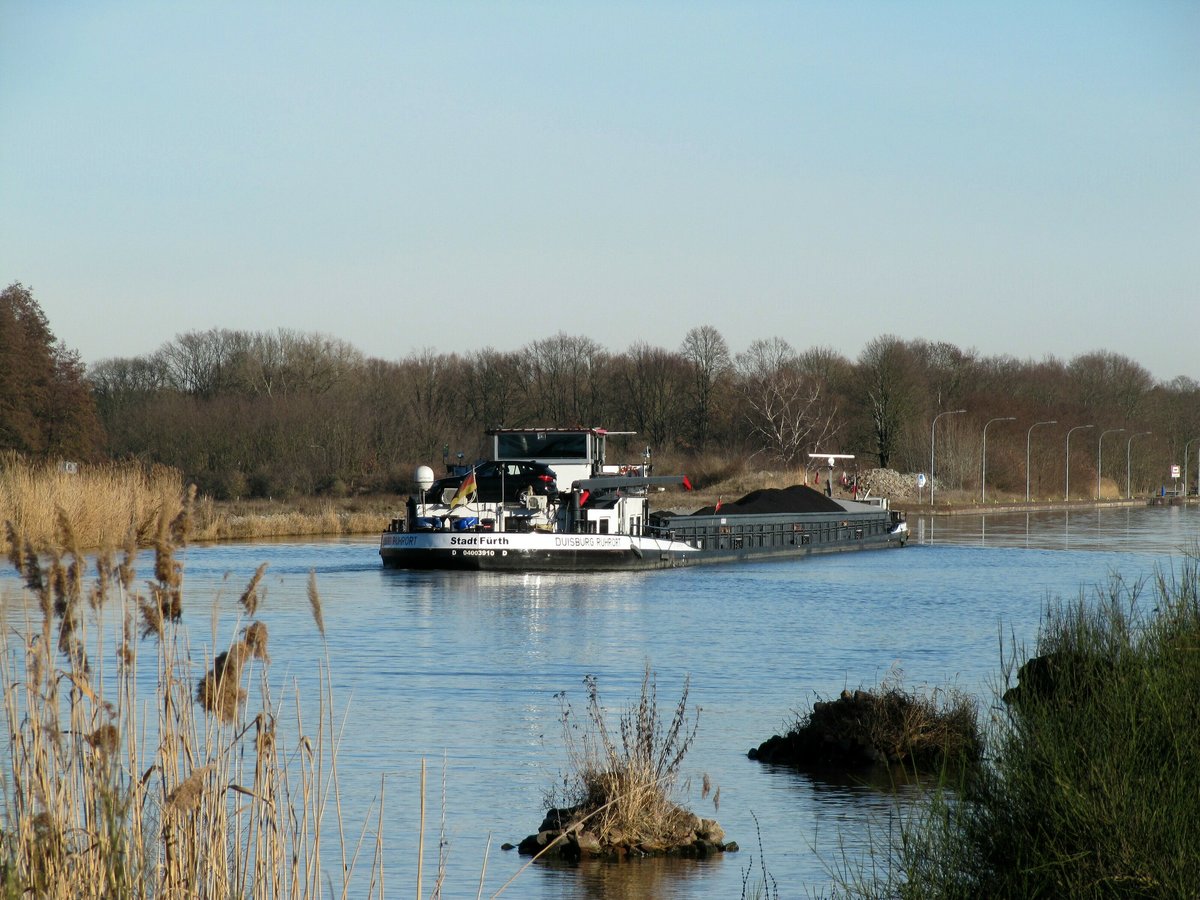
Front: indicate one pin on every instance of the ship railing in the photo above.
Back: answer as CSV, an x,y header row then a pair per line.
x,y
520,516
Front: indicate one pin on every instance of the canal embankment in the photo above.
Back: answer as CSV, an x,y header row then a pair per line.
x,y
975,508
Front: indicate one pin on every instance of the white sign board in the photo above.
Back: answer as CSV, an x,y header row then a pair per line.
x,y
1174,471
921,480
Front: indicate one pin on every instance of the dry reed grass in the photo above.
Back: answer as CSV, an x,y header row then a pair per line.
x,y
107,793
225,525
102,503
623,787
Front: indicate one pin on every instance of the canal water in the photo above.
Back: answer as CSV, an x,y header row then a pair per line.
x,y
462,670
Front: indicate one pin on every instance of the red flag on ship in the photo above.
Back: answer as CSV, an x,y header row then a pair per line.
x,y
718,506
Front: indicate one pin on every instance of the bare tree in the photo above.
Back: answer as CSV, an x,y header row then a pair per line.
x,y
219,361
126,378
1108,385
650,380
783,404
390,429
197,362
565,375
887,393
286,411
494,388
708,357
428,399
948,372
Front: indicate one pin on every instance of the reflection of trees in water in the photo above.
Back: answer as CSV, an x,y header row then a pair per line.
x,y
838,816
1132,529
879,786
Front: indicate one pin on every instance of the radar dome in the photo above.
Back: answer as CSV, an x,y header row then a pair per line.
x,y
423,477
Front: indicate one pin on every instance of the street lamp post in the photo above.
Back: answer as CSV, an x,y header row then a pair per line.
x,y
983,477
1028,435
933,447
1067,480
1099,444
1185,459
1128,451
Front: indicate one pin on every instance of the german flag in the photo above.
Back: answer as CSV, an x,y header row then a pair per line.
x,y
466,489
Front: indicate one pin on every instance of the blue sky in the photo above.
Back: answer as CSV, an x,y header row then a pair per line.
x,y
1017,178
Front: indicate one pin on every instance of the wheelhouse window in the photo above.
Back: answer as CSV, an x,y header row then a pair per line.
x,y
542,445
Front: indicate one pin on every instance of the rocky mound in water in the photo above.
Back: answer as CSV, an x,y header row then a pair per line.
x,y
799,498
862,729
565,834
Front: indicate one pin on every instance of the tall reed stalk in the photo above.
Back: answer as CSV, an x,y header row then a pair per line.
x,y
193,792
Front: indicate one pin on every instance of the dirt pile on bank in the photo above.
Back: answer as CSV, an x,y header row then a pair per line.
x,y
887,483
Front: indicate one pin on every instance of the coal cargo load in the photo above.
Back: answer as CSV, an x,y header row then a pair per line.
x,y
799,498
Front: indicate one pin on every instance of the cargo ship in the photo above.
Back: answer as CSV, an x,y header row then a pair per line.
x,y
510,513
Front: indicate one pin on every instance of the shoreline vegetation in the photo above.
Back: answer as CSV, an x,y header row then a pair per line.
x,y
104,501
1088,787
274,416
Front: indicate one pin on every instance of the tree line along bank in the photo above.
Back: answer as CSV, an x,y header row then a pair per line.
x,y
287,413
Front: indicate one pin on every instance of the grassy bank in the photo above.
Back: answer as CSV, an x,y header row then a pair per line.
x,y
101,502
104,503
1090,790
246,520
